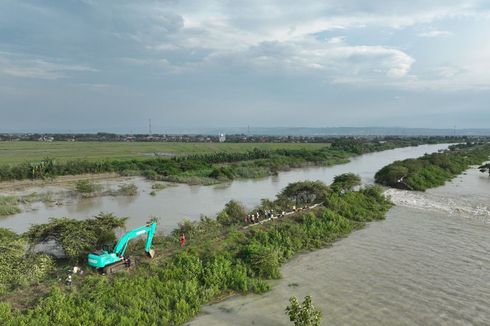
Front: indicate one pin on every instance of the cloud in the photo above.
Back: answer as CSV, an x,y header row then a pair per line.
x,y
262,37
16,65
435,33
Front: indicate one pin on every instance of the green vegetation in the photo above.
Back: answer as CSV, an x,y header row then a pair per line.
x,y
19,152
46,197
304,314
128,189
232,214
158,186
346,181
220,257
76,237
17,266
9,205
238,161
86,187
432,170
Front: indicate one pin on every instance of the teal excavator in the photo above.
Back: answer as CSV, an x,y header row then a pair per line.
x,y
111,262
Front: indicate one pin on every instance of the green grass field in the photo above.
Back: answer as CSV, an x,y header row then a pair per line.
x,y
18,152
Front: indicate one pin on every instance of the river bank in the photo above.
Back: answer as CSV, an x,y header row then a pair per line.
x,y
424,265
185,201
222,256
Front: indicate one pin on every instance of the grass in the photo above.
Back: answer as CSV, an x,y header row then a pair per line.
x,y
129,189
8,205
218,260
18,152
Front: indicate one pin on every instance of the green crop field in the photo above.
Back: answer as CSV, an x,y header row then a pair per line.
x,y
21,151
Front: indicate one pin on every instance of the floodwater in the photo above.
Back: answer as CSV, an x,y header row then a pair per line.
x,y
428,263
175,203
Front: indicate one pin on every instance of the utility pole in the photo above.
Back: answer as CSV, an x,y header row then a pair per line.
x,y
149,127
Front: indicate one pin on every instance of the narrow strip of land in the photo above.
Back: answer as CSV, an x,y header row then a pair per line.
x,y
433,170
221,256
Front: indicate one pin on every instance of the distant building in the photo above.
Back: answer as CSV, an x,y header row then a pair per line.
x,y
221,138
46,138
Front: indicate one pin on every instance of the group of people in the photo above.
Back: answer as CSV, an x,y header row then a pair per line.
x,y
257,217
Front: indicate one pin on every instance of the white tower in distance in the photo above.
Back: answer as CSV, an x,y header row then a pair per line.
x,y
222,138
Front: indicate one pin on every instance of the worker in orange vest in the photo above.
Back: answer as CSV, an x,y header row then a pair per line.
x,y
182,240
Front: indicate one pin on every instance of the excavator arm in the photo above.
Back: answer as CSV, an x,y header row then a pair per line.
x,y
122,244
112,261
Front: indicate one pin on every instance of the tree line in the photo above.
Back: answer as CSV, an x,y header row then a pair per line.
x,y
432,170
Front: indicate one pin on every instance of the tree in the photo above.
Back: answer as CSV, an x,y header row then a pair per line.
x,y
233,213
304,314
76,237
345,182
305,192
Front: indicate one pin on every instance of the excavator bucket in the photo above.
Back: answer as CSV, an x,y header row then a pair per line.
x,y
151,253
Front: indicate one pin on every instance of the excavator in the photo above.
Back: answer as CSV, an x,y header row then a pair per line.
x,y
113,261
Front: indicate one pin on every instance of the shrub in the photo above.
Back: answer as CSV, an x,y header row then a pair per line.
x,y
304,314
86,187
129,189
345,182
233,213
8,205
264,261
18,266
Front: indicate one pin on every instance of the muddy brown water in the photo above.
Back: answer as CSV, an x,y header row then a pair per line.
x,y
428,263
173,204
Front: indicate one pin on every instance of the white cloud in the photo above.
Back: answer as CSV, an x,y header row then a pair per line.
x,y
435,33
15,65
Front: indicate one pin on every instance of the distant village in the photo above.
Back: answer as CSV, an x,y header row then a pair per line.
x,y
219,138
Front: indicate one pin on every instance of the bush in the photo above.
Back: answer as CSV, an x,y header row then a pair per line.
x,y
345,182
233,213
264,261
127,189
19,267
8,205
86,187
304,314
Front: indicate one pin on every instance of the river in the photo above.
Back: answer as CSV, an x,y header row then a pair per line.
x,y
428,263
173,204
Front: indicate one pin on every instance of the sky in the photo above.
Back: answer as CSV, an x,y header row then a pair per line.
x,y
108,65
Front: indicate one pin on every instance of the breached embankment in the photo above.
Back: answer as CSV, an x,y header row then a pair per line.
x,y
426,264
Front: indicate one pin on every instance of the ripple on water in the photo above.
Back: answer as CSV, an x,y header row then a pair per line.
x,y
428,263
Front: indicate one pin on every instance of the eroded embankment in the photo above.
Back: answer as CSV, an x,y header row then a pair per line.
x,y
221,257
426,264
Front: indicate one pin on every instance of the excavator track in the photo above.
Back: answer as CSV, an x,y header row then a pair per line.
x,y
114,268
